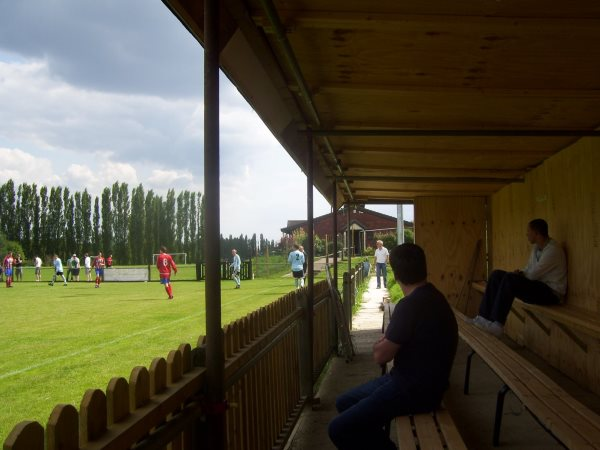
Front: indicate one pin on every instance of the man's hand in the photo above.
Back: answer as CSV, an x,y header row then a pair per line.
x,y
384,350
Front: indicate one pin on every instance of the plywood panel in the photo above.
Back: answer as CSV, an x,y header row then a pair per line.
x,y
564,191
448,229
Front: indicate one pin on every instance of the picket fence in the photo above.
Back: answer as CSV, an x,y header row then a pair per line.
x,y
163,406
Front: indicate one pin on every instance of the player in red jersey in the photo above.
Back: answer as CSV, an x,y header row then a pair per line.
x,y
8,268
165,263
99,267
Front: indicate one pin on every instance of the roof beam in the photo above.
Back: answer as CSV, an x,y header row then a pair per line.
x,y
453,133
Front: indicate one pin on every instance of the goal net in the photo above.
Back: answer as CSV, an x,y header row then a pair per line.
x,y
179,258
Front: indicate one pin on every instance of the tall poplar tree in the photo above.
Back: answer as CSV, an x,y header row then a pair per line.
x,y
96,230
106,222
137,224
86,221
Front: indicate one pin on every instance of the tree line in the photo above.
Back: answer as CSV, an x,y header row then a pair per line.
x,y
129,224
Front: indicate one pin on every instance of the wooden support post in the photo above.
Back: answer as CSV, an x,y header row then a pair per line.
x,y
215,360
335,234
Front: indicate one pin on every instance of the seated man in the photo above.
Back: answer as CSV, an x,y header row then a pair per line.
x,y
543,281
421,338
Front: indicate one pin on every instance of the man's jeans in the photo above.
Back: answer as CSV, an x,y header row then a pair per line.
x,y
381,271
366,410
501,290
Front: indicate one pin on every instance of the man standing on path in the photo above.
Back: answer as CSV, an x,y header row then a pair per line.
x,y
236,267
421,338
165,264
382,257
296,259
58,271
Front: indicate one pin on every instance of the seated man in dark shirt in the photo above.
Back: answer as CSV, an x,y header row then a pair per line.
x,y
421,338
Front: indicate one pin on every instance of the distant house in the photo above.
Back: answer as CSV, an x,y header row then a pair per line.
x,y
364,224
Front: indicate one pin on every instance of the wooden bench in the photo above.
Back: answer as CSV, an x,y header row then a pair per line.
x,y
431,431
574,425
565,316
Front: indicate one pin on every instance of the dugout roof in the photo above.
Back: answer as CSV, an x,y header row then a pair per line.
x,y
414,98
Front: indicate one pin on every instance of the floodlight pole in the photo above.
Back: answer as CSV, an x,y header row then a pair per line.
x,y
215,359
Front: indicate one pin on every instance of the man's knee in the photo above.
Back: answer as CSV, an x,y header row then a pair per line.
x,y
497,275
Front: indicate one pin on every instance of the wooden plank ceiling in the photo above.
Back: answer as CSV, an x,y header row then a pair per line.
x,y
492,67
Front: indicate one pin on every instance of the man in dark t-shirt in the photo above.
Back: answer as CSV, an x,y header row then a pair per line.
x,y
421,338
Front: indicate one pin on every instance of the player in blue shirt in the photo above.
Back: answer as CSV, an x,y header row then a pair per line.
x,y
296,259
58,271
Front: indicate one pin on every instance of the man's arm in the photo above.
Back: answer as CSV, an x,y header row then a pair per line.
x,y
384,350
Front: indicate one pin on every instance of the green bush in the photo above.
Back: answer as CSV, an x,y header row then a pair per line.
x,y
394,290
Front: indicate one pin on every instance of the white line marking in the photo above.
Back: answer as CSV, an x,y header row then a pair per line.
x,y
114,341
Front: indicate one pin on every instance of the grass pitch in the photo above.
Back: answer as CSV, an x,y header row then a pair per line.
x,y
59,341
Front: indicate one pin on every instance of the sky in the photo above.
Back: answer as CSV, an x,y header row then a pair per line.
x,y
93,92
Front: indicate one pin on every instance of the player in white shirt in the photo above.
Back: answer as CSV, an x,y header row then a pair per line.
x,y
37,263
87,263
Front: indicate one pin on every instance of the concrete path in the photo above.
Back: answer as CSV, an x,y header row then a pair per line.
x,y
311,431
473,414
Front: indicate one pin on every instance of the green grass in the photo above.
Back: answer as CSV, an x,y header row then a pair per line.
x,y
59,341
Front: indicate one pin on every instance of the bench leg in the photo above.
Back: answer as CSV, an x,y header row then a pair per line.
x,y
499,409
468,372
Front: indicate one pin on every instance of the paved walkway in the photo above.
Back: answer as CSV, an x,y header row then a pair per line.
x,y
473,414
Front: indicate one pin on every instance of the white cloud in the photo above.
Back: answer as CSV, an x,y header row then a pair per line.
x,y
22,167
166,178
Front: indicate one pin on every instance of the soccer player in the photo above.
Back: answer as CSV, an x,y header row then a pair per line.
x,y
165,263
99,266
8,268
58,271
236,266
296,259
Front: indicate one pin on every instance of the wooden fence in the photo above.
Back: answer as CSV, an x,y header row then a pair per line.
x,y
226,270
163,406
352,281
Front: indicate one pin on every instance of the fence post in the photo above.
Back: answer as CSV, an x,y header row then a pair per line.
x,y
348,298
304,354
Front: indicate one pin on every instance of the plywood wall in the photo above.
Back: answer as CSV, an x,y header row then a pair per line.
x,y
565,191
448,229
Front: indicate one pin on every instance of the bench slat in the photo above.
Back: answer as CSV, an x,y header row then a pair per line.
x,y
574,424
404,433
453,438
429,438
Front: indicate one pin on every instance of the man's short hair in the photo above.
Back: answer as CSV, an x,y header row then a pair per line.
x,y
539,226
297,247
408,263
163,249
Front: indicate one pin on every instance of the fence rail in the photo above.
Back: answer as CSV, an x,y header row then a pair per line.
x,y
226,270
164,404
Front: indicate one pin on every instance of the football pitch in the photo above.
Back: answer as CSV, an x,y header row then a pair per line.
x,y
59,341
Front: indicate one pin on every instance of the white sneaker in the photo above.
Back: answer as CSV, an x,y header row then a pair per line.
x,y
494,328
478,320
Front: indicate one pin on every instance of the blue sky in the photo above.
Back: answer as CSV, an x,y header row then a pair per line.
x,y
98,92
